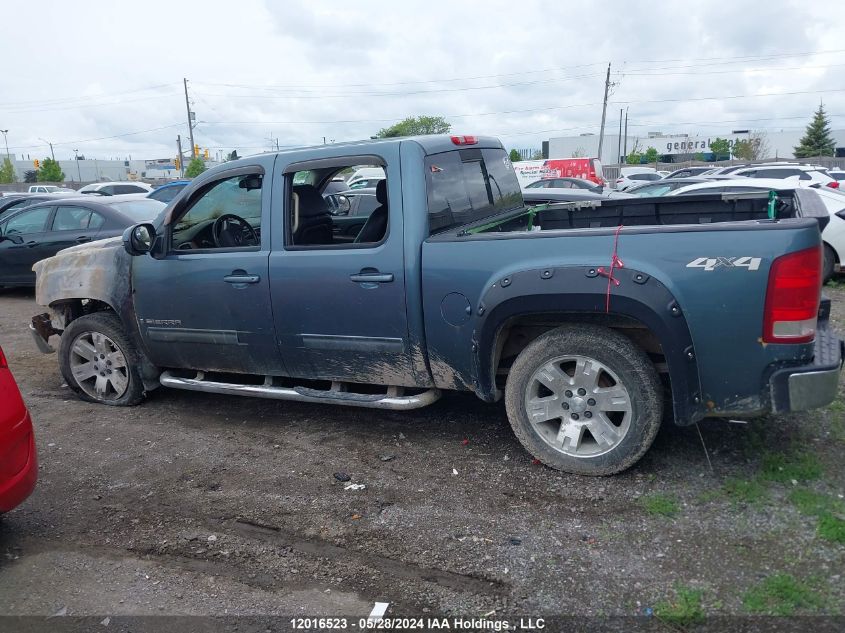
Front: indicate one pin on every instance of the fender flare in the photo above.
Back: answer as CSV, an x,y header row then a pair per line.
x,y
582,291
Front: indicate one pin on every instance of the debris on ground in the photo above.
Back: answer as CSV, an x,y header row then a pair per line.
x,y
354,487
342,477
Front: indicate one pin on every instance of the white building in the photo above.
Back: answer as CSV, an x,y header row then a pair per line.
x,y
94,170
677,147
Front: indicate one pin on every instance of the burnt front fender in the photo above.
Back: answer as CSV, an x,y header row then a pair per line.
x,y
99,271
582,291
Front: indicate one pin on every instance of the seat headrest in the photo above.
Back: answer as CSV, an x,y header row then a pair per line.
x,y
381,192
311,203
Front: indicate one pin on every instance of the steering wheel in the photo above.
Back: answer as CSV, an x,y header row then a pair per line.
x,y
230,230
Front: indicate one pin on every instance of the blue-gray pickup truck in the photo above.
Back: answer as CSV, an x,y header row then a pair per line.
x,y
588,320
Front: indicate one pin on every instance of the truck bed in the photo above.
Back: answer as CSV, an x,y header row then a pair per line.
x,y
667,210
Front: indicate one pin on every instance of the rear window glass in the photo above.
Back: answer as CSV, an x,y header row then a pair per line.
x,y
467,185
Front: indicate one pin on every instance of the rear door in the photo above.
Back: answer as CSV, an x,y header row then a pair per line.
x,y
339,308
73,225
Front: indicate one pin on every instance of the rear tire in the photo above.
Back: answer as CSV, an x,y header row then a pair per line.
x,y
99,362
585,400
829,261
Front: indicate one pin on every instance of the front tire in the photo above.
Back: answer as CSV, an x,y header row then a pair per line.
x,y
585,400
99,362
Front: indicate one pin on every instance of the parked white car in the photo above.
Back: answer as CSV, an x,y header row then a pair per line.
x,y
837,174
49,189
630,176
833,234
116,188
807,174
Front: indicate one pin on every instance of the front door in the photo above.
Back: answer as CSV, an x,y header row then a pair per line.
x,y
25,241
206,304
339,306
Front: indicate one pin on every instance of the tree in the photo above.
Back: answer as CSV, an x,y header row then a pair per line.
x,y
755,147
651,155
30,175
414,125
721,148
634,158
7,172
233,155
817,140
195,168
50,171
514,156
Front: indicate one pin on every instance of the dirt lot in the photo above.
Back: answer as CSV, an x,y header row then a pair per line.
x,y
204,504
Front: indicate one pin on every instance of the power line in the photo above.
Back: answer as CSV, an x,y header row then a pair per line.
x,y
101,138
82,98
730,59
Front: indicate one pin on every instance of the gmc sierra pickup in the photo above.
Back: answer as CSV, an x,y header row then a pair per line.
x,y
581,316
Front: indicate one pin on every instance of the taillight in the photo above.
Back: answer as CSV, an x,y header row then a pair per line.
x,y
833,184
792,297
465,140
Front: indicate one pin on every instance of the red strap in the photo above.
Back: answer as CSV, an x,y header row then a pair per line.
x,y
615,263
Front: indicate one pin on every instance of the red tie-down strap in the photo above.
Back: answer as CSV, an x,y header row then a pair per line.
x,y
615,263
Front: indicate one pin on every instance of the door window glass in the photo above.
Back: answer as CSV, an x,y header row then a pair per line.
x,y
237,200
71,219
26,222
313,219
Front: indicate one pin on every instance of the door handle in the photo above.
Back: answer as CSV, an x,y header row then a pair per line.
x,y
241,279
82,239
373,277
31,244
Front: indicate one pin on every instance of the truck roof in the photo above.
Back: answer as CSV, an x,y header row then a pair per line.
x,y
430,143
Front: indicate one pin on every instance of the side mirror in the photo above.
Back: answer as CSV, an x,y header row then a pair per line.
x,y
138,239
338,204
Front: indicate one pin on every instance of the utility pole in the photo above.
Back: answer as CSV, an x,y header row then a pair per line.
x,y
619,139
625,151
604,110
6,140
181,158
52,155
190,124
78,171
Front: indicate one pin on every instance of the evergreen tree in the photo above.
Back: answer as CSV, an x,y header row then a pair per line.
x,y
514,156
817,140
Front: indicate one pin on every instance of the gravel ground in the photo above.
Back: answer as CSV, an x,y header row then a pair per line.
x,y
197,504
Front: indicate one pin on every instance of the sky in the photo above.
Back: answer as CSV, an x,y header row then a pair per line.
x,y
106,78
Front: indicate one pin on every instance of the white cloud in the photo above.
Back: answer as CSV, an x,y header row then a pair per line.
x,y
301,70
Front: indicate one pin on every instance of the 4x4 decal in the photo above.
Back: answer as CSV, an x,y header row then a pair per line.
x,y
712,263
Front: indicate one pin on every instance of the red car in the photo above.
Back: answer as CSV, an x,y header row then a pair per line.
x,y
18,461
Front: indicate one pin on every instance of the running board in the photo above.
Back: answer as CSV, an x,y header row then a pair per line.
x,y
393,399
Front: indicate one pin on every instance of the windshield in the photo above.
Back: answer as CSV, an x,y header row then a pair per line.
x,y
138,210
467,185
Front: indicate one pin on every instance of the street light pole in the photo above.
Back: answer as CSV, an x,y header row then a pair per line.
x,y
78,172
6,140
